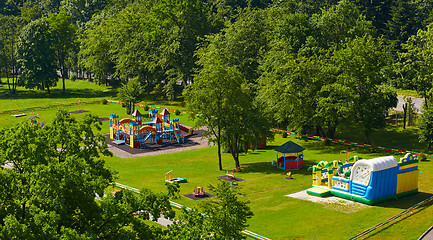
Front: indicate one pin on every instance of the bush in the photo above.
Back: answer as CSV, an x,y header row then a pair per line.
x,y
146,108
177,112
284,134
73,77
328,142
104,101
422,157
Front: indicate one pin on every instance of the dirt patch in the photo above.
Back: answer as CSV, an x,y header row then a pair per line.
x,y
78,111
331,202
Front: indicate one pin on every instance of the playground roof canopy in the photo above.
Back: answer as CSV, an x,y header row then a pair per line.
x,y
165,112
289,147
157,120
136,113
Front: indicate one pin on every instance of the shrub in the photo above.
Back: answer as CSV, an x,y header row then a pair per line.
x,y
146,108
73,77
284,135
422,157
104,101
177,112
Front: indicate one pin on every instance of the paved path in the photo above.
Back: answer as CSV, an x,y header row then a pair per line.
x,y
417,101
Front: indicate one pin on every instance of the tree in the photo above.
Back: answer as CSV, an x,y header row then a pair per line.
x,y
418,62
426,128
50,191
224,218
94,52
131,93
359,65
9,31
63,38
36,57
221,96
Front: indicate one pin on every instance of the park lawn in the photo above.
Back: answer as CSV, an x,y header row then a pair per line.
x,y
277,216
80,90
98,109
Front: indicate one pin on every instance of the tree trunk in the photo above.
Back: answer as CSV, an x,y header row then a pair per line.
x,y
48,90
404,115
219,149
367,137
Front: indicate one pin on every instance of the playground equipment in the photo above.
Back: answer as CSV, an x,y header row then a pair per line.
x,y
199,192
135,132
367,181
172,180
292,156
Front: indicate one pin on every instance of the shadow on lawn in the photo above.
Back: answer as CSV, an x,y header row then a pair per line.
x,y
406,202
268,168
57,93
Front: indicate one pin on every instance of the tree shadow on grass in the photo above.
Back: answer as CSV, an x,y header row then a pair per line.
x,y
406,202
57,93
268,168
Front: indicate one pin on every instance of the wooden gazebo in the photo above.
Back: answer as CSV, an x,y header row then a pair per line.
x,y
290,156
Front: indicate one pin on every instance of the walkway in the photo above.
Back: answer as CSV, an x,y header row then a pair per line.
x,y
417,101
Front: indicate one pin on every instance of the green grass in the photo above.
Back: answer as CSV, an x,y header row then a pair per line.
x,y
406,92
265,187
276,216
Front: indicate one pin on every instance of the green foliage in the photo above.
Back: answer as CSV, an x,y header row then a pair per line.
x,y
177,112
63,40
50,191
284,134
104,101
223,218
173,189
426,128
36,57
131,93
73,77
422,157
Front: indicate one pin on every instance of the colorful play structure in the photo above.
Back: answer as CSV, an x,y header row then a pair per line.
x,y
136,132
366,181
289,156
169,179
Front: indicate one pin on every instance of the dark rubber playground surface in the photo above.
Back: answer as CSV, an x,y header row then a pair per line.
x,y
231,180
190,140
191,196
78,111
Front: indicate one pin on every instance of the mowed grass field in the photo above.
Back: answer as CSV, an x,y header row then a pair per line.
x,y
275,215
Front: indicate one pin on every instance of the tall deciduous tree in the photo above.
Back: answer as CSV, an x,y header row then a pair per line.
x,y
419,62
359,65
36,57
9,31
131,93
222,97
63,40
426,128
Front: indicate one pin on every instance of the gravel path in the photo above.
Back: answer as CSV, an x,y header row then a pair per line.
x,y
417,101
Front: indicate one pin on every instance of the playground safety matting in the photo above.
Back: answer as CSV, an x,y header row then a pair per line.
x,y
230,179
78,111
190,140
206,195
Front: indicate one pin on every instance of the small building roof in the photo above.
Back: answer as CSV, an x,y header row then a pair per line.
x,y
165,112
289,147
136,113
